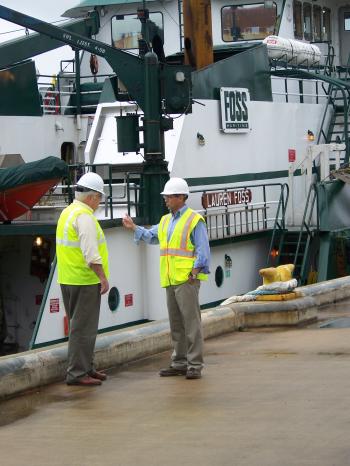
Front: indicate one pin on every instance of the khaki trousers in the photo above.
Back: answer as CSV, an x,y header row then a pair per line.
x,y
82,304
185,325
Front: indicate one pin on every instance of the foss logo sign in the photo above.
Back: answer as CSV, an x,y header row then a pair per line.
x,y
234,110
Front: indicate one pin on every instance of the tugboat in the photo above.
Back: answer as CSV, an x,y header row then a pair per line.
x,y
246,100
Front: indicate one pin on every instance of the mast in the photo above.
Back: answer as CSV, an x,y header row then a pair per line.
x,y
198,33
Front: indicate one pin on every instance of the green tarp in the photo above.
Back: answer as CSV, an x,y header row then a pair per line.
x,y
46,169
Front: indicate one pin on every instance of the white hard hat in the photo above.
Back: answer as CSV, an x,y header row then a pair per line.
x,y
91,181
176,186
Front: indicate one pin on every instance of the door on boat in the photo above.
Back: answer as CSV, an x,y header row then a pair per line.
x,y
344,35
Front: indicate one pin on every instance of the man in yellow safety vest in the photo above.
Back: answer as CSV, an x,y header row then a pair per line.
x,y
184,263
82,261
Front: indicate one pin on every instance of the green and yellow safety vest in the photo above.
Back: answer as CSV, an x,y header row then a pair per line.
x,y
72,267
177,256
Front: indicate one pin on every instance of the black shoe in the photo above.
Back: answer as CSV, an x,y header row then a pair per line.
x,y
171,371
193,373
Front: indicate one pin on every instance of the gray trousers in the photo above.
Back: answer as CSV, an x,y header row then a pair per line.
x,y
185,325
82,304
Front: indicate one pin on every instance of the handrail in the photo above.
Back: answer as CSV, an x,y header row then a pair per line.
x,y
340,84
305,225
321,132
282,204
235,219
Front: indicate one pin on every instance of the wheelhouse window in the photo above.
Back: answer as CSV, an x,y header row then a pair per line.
x,y
346,21
326,24
312,23
248,21
317,17
128,29
307,21
298,20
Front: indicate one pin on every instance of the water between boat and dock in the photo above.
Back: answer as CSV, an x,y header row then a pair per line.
x,y
267,397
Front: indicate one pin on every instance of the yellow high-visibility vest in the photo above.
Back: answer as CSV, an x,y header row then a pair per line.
x,y
177,256
72,267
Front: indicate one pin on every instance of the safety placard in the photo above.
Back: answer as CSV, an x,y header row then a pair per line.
x,y
291,155
54,305
128,300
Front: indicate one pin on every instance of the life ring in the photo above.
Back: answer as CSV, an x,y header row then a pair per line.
x,y
93,64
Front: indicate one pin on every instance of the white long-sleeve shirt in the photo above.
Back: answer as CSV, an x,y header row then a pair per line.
x,y
85,227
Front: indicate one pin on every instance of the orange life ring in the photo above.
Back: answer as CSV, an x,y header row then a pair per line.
x,y
93,64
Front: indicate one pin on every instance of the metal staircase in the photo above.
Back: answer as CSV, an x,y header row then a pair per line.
x,y
297,246
307,238
292,249
339,123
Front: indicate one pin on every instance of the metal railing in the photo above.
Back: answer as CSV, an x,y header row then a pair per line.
x,y
279,224
311,200
123,193
343,87
298,90
325,64
245,218
55,92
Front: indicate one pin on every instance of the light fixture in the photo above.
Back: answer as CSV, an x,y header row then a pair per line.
x,y
180,76
38,241
310,135
200,139
274,253
58,126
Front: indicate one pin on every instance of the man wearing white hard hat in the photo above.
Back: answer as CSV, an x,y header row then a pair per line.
x,y
184,263
82,262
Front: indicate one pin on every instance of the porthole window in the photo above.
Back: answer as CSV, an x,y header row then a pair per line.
x,y
113,299
219,276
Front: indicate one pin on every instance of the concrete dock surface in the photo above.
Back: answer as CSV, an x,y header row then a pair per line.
x,y
268,397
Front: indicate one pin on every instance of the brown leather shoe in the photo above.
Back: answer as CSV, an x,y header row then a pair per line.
x,y
99,375
85,381
172,371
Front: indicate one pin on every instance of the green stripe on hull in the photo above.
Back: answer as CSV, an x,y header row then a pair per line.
x,y
213,180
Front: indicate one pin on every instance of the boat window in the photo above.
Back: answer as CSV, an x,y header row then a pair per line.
x,y
127,30
346,21
248,22
326,24
307,21
298,24
317,22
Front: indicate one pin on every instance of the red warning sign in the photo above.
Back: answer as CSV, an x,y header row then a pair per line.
x,y
291,155
128,300
54,305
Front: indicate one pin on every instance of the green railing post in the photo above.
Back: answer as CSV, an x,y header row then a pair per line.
x,y
77,82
